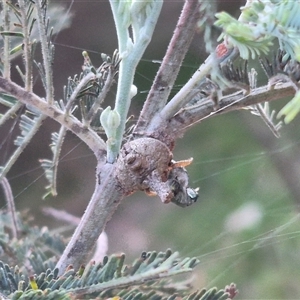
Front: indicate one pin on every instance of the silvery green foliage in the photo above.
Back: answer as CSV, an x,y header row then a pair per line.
x,y
260,23
84,93
283,68
59,19
27,271
33,251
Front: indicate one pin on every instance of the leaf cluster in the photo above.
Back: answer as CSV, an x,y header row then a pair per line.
x,y
27,271
260,23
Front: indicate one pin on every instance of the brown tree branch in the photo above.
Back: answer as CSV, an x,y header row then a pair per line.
x,y
106,197
191,115
171,64
94,142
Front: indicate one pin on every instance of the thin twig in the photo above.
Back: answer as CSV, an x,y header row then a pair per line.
x,y
6,41
10,113
84,81
56,149
25,141
90,137
268,119
191,115
45,51
11,205
171,63
105,89
190,89
27,47
61,215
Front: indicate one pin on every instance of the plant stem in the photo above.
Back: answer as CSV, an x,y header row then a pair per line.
x,y
171,63
41,19
6,40
83,82
26,140
10,113
56,148
267,119
107,196
27,47
88,136
126,71
11,205
180,99
164,270
130,53
191,115
104,91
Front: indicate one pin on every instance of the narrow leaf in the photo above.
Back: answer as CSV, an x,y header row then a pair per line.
x,y
11,33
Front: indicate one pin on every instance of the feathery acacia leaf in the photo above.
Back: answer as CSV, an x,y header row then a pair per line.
x,y
7,100
148,274
29,127
100,279
291,109
50,166
59,20
261,22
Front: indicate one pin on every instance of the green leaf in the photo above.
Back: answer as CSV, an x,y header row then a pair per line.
x,y
13,34
16,49
7,100
148,277
291,109
50,166
261,22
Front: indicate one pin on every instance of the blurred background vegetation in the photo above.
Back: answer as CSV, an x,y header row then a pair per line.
x,y
244,228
